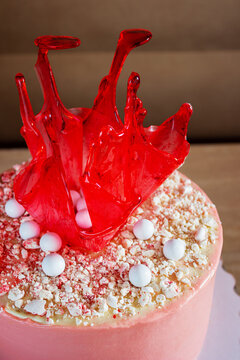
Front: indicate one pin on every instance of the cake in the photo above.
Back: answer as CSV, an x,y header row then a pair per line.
x,y
118,262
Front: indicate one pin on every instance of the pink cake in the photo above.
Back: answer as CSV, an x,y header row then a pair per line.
x,y
106,250
165,322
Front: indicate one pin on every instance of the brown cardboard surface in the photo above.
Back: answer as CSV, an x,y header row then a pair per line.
x,y
176,25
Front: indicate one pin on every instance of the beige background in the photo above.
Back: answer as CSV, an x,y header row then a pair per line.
x,y
194,56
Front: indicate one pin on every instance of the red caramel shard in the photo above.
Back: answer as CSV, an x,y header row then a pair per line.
x,y
115,165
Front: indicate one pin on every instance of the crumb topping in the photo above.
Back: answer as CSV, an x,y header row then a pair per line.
x,y
95,288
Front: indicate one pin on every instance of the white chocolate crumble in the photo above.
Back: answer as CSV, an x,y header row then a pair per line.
x,y
96,288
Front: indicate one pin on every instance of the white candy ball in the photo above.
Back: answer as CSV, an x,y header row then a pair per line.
x,y
53,264
174,249
29,230
83,219
81,204
14,209
143,229
201,234
50,242
75,197
140,275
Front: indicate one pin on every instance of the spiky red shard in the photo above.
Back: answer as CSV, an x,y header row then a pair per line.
x,y
115,165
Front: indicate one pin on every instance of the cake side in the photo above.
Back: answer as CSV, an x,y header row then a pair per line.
x,y
95,290
177,336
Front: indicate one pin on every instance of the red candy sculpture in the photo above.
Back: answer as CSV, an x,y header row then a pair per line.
x,y
114,165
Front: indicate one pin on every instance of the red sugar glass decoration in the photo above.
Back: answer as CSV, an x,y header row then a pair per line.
x,y
115,165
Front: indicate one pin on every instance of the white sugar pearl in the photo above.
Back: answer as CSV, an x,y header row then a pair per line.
x,y
50,242
14,209
53,264
174,249
140,275
201,234
83,219
143,229
81,204
75,197
29,230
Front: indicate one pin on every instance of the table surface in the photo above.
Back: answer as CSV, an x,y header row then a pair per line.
x,y
216,169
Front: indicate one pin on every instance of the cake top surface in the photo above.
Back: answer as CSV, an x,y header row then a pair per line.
x,y
100,288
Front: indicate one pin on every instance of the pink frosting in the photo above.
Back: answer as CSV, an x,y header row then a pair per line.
x,y
175,332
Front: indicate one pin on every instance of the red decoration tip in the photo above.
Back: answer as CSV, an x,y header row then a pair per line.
x,y
56,42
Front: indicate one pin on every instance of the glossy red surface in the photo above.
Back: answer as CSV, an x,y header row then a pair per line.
x,y
115,165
